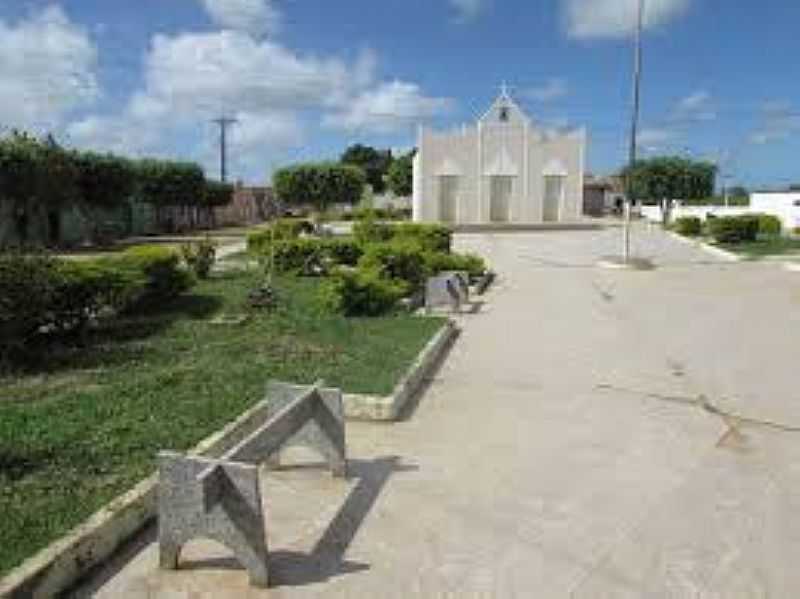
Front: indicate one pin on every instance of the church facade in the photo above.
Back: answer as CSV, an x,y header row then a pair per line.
x,y
504,169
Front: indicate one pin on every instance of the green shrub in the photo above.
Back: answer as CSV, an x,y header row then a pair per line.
x,y
370,231
28,286
298,255
733,229
769,225
85,288
691,226
360,292
280,230
435,238
200,256
440,262
400,260
343,252
43,294
388,213
160,266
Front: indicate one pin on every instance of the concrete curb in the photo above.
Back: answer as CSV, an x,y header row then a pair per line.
x,y
792,266
718,252
389,407
61,564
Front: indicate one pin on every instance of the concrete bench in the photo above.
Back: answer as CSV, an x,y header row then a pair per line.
x,y
220,499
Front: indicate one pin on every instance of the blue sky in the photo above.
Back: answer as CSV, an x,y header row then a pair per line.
x,y
307,77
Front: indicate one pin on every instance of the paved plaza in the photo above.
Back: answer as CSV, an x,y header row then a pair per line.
x,y
592,433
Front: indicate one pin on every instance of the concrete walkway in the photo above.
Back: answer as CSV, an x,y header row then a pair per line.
x,y
592,434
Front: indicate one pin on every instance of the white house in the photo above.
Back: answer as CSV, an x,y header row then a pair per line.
x,y
504,169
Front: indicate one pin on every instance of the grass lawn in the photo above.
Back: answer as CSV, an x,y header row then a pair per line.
x,y
754,250
83,424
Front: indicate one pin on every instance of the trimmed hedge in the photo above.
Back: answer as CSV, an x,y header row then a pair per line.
x,y
370,231
164,278
297,255
281,230
434,238
44,295
769,225
360,292
439,262
399,260
734,229
690,226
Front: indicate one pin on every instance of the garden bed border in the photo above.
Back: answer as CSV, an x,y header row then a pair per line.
x,y
66,560
388,408
718,252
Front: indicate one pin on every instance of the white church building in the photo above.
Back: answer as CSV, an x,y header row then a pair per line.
x,y
504,169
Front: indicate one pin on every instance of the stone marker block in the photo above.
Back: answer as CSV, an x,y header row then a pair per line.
x,y
446,289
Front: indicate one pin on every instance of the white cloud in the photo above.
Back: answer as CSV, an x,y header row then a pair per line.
x,y
390,107
617,18
191,78
258,17
468,10
551,90
779,122
694,108
47,69
651,137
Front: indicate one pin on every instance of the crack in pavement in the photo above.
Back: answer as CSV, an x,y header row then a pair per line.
x,y
731,419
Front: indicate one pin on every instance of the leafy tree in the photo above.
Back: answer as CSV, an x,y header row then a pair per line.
x,y
164,183
319,184
35,176
374,163
167,183
103,180
669,178
217,194
401,175
738,191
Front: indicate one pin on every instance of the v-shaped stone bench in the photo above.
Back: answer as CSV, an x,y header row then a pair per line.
x,y
220,499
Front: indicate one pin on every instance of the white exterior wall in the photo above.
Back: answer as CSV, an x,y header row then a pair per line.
x,y
781,205
513,148
786,206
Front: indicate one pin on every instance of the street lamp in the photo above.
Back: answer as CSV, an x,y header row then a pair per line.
x,y
637,79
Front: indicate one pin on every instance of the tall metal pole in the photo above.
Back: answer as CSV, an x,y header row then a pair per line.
x,y
224,123
637,80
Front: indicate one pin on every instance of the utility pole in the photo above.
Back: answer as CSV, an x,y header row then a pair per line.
x,y
637,80
224,123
